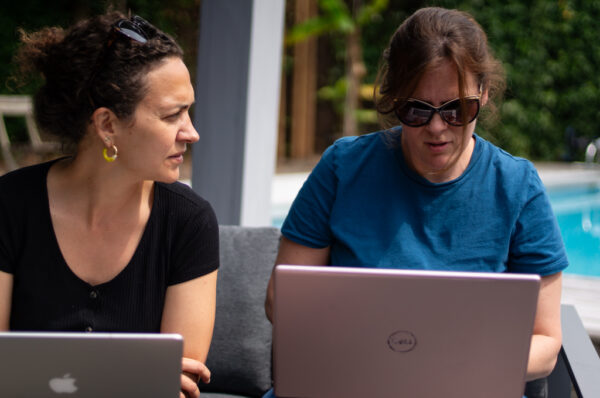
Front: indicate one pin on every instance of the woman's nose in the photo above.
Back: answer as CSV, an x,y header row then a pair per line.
x,y
188,132
436,124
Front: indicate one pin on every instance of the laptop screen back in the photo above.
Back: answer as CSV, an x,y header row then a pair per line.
x,y
357,332
90,365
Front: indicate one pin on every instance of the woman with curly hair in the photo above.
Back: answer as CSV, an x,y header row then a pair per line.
x,y
106,239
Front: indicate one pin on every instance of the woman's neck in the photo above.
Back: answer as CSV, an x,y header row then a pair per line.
x,y
97,191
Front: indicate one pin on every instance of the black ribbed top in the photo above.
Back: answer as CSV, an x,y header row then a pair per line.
x,y
180,242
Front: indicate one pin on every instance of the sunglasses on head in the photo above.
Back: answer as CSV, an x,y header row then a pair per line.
x,y
134,28
416,113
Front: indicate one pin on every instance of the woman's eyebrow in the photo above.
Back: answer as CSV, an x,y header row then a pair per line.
x,y
175,107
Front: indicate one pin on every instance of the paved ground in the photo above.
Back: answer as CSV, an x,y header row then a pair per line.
x,y
584,294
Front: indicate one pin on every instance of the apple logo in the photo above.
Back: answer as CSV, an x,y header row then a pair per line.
x,y
63,385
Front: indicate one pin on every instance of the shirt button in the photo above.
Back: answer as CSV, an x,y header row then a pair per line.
x,y
93,294
88,329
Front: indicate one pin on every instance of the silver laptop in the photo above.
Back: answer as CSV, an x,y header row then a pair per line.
x,y
90,365
363,332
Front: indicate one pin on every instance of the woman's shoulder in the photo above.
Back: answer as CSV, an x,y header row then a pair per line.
x,y
180,199
360,142
503,160
24,179
510,170
354,148
180,217
181,193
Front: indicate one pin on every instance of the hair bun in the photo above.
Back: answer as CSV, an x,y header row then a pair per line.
x,y
38,48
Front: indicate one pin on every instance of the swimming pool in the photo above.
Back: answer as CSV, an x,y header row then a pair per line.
x,y
577,209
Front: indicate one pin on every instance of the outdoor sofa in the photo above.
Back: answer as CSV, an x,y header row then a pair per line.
x,y
240,354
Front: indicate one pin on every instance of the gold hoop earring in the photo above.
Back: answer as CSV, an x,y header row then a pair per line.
x,y
112,158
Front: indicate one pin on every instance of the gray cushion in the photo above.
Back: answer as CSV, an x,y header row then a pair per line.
x,y
240,353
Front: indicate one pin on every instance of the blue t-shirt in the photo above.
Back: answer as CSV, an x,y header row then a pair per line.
x,y
373,211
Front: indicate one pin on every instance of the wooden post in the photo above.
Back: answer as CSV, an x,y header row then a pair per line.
x,y
304,87
355,71
282,122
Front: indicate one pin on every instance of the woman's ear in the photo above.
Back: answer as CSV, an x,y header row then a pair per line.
x,y
104,123
484,96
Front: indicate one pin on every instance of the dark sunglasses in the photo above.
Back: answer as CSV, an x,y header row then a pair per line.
x,y
134,28
416,113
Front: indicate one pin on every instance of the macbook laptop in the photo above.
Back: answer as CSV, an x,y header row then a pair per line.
x,y
364,332
91,365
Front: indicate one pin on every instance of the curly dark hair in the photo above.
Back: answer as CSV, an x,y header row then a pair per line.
x,y
424,40
88,66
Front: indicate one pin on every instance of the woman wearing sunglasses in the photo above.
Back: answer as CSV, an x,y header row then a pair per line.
x,y
428,192
106,239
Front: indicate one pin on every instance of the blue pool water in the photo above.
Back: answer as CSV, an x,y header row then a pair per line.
x,y
577,210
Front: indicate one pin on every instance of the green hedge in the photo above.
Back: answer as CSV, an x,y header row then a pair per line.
x,y
550,49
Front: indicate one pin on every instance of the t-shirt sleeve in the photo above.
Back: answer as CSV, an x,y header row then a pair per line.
x,y
307,222
6,260
196,246
536,243
10,228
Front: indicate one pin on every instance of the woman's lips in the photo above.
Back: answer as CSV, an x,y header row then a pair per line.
x,y
178,157
437,146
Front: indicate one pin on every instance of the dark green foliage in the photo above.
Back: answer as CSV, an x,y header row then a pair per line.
x,y
550,50
177,17
29,15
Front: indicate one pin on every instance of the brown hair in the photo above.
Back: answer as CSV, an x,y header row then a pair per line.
x,y
426,39
86,67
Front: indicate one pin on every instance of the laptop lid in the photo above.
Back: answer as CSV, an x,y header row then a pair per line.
x,y
91,365
364,332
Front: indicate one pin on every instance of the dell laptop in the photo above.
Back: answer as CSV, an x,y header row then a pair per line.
x,y
365,332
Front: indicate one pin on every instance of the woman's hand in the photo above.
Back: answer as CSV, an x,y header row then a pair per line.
x,y
192,372
190,311
291,252
6,285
